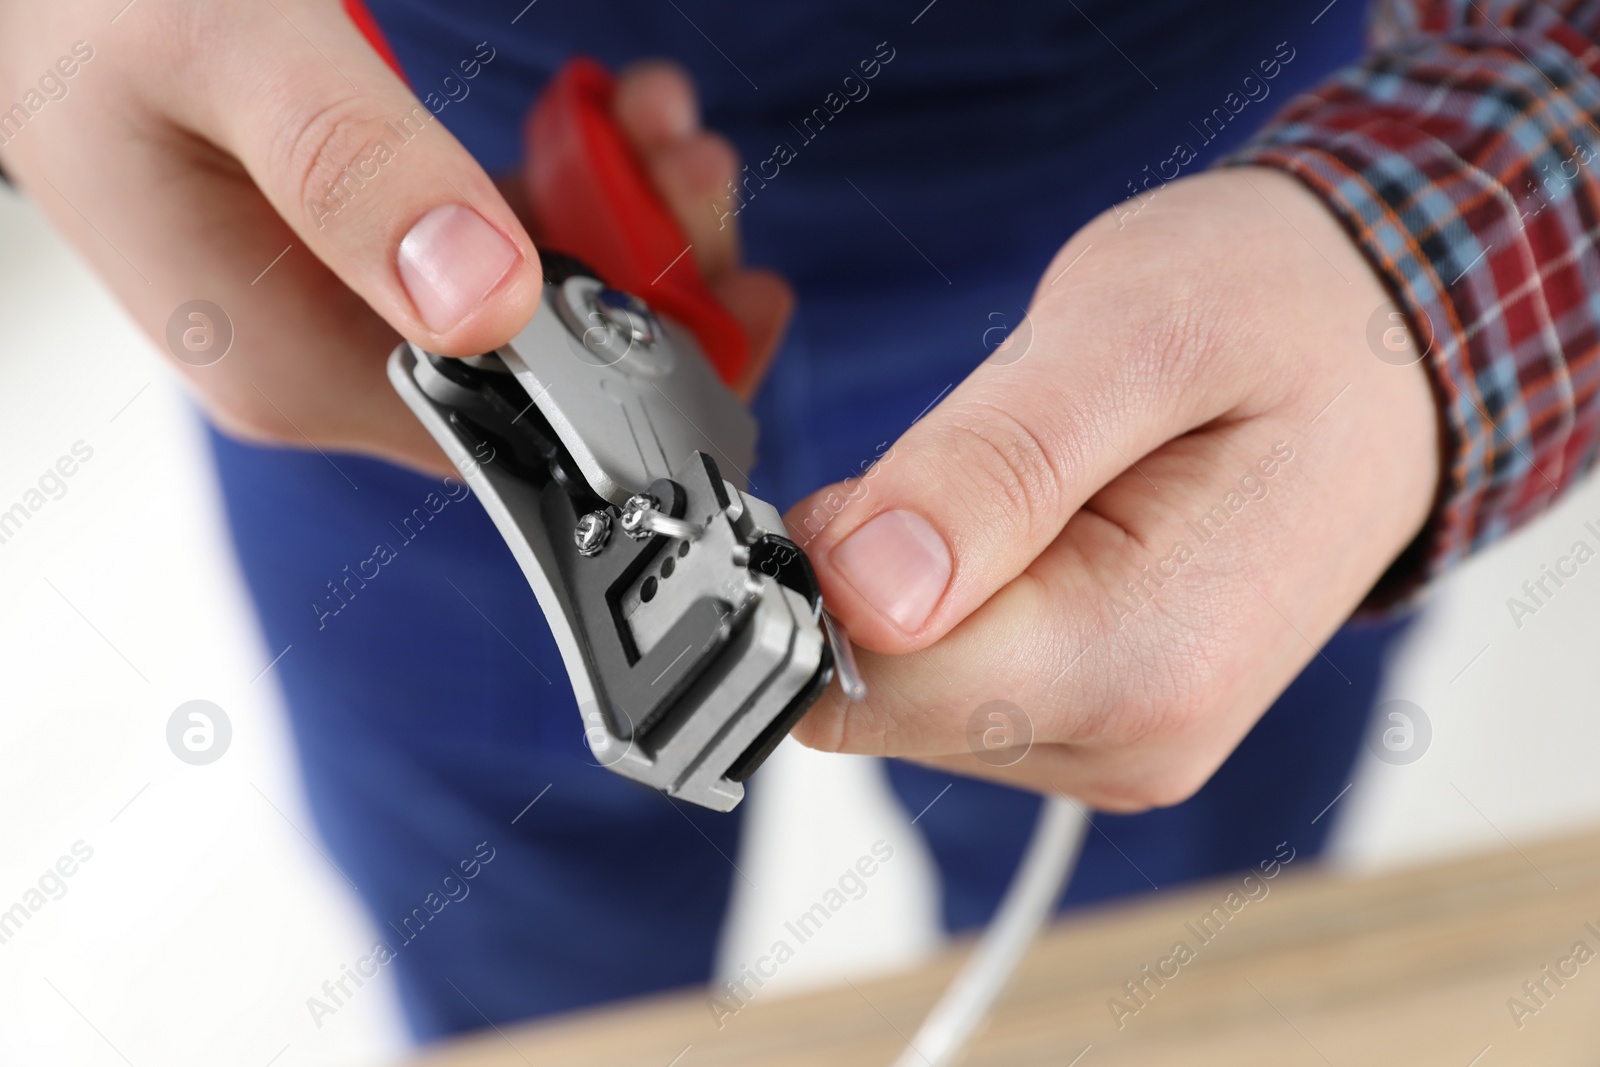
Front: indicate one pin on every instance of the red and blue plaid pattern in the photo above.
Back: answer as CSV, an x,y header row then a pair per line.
x,y
1464,156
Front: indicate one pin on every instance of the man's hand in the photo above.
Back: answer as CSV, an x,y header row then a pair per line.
x,y
263,158
1141,518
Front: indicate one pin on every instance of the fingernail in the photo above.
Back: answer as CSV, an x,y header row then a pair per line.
x,y
899,564
450,261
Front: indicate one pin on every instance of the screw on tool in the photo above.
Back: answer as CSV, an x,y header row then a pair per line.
x,y
592,533
642,516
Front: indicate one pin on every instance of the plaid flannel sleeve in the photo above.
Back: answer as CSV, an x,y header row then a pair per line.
x,y
1463,156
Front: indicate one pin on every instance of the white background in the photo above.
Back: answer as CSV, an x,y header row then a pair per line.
x,y
207,916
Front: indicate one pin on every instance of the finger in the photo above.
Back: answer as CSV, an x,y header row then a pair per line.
x,y
303,362
1121,356
692,177
368,179
692,169
980,485
1123,656
655,104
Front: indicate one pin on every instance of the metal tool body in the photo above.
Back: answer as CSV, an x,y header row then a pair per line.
x,y
611,459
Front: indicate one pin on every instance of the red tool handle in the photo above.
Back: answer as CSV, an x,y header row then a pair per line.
x,y
593,200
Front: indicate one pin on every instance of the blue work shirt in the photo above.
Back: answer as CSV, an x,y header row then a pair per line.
x,y
915,166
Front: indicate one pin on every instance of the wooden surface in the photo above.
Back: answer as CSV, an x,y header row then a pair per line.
x,y
1412,968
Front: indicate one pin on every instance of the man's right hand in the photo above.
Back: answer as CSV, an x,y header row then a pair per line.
x,y
264,158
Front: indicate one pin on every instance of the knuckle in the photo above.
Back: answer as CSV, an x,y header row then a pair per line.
x,y
1129,718
1186,664
1009,457
320,149
833,729
1164,788
1185,641
1166,710
820,731
721,156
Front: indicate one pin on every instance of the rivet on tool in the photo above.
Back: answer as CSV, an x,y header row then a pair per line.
x,y
642,516
592,533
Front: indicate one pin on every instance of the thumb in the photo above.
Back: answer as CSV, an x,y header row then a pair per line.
x,y
369,179
981,485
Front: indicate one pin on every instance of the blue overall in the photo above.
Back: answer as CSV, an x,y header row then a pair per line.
x,y
431,706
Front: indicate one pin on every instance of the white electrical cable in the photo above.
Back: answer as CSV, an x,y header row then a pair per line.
x,y
1035,888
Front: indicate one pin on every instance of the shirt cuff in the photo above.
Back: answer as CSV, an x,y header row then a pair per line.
x,y
1446,164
